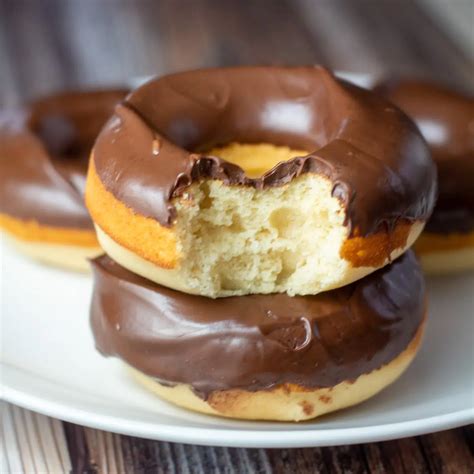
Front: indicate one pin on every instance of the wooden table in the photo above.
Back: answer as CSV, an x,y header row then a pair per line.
x,y
47,45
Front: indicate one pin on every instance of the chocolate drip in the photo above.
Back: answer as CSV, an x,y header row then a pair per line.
x,y
258,341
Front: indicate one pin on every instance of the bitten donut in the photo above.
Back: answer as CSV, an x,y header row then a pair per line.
x,y
44,152
177,193
446,119
272,357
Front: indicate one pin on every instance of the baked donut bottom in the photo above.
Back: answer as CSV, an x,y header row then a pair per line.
x,y
288,402
441,254
61,247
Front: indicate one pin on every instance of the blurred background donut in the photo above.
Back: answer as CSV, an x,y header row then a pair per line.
x,y
445,117
44,155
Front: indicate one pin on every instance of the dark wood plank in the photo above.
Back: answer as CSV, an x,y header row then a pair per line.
x,y
447,452
297,460
385,37
9,91
468,434
96,451
81,458
68,43
239,34
397,456
21,30
53,44
345,459
141,455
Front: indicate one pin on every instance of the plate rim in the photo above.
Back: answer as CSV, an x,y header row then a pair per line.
x,y
223,436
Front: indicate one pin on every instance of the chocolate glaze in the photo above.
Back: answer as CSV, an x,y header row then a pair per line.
x,y
446,119
374,155
257,341
44,151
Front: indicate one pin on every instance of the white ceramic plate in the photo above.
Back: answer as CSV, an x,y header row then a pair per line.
x,y
48,364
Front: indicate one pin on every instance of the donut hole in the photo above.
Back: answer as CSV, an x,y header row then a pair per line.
x,y
255,159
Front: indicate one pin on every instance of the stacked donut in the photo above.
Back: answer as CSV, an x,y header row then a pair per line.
x,y
257,224
44,154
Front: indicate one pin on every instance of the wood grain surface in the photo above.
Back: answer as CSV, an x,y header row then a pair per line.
x,y
47,45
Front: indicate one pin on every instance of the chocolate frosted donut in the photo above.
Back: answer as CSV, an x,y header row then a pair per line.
x,y
352,192
262,356
44,153
446,119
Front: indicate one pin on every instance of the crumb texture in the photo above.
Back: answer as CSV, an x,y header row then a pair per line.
x,y
237,240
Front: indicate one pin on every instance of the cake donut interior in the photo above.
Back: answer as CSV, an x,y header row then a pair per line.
x,y
445,117
44,154
236,181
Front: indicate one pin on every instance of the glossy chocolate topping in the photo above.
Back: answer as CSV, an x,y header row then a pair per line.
x,y
44,151
258,341
374,155
446,119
